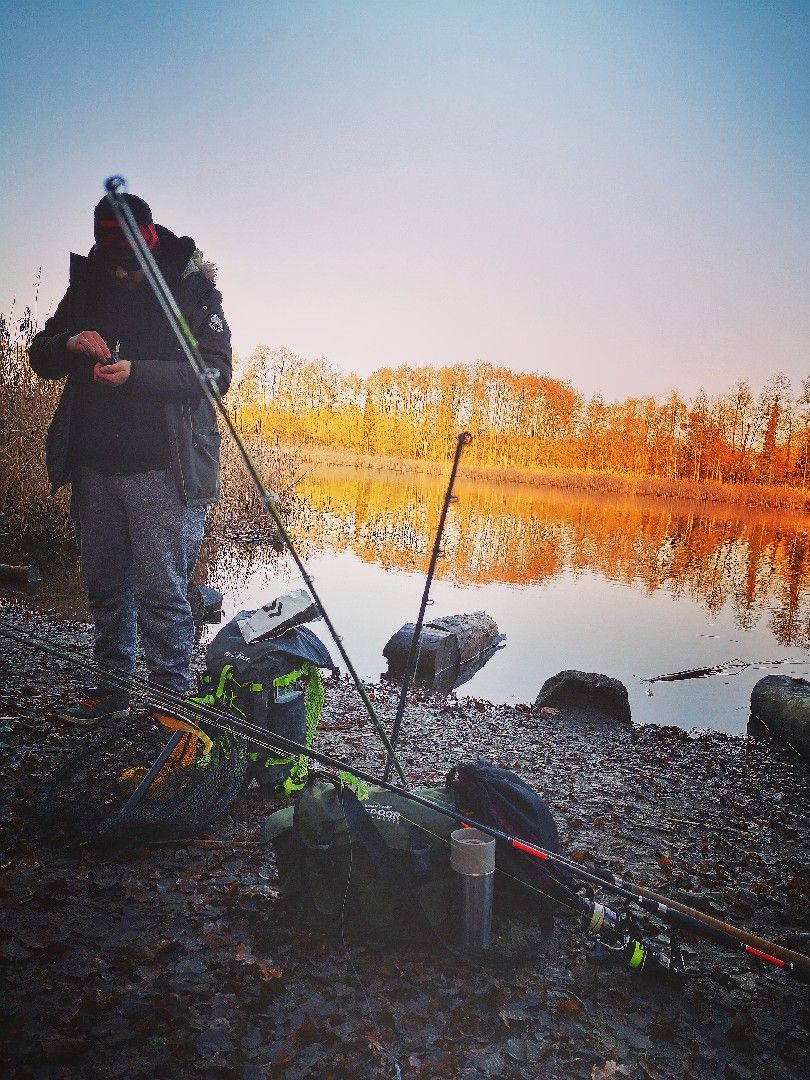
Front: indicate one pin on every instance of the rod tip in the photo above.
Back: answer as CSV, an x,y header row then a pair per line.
x,y
114,184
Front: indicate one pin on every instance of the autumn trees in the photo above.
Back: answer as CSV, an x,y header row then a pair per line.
x,y
531,421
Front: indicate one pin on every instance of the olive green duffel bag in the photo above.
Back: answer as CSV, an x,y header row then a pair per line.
x,y
377,868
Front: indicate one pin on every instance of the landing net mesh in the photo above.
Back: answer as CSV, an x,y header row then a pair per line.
x,y
91,794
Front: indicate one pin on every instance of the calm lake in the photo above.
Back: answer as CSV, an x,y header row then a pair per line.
x,y
628,587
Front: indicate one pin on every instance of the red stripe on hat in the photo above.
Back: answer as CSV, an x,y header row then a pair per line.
x,y
111,234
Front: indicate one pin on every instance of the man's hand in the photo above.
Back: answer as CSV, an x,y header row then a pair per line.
x,y
89,343
112,374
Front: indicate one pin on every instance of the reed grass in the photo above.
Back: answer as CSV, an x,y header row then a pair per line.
x,y
28,510
240,509
759,496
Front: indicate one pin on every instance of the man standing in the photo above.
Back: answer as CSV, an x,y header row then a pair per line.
x,y
137,439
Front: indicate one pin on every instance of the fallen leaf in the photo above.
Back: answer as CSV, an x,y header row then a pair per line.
x,y
608,1071
267,972
798,886
244,953
570,1006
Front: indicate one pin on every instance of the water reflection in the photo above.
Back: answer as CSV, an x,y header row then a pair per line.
x,y
631,588
756,561
449,679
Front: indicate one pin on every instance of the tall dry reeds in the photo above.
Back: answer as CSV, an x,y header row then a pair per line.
x,y
28,510
239,509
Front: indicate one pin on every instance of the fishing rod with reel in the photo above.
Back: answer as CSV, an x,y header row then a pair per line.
x,y
598,917
463,440
616,936
207,377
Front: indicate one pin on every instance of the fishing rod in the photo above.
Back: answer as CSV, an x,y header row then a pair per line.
x,y
208,381
463,440
792,963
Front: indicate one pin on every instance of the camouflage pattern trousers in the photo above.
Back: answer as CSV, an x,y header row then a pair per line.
x,y
138,545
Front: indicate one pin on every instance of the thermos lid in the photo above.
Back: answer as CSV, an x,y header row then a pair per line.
x,y
472,852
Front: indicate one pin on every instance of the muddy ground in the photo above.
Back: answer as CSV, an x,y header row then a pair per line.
x,y
164,959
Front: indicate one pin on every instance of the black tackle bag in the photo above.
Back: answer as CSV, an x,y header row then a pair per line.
x,y
374,864
499,798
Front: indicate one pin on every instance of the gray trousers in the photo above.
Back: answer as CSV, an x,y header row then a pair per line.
x,y
138,544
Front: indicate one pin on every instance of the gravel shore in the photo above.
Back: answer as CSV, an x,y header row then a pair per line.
x,y
164,960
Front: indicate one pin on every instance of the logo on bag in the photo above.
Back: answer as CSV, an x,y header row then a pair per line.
x,y
216,323
236,655
382,813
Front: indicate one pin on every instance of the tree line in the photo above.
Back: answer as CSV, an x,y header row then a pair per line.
x,y
532,421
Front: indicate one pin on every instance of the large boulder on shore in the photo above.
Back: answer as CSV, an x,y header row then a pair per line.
x,y
782,705
585,695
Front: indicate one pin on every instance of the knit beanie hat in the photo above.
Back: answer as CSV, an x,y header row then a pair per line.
x,y
111,244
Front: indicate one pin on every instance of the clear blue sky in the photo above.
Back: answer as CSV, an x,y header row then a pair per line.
x,y
613,193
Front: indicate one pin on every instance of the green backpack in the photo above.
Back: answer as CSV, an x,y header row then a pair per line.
x,y
378,867
273,683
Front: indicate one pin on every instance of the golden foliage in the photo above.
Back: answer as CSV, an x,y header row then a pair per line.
x,y
530,421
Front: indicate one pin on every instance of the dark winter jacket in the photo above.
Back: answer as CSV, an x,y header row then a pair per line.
x,y
190,420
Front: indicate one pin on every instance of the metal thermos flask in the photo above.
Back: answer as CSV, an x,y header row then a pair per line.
x,y
472,856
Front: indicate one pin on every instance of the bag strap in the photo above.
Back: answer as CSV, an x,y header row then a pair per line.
x,y
363,828
368,835
313,704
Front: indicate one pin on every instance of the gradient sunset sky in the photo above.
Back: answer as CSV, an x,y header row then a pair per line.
x,y
613,193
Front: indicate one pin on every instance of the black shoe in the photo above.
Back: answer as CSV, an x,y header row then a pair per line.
x,y
98,704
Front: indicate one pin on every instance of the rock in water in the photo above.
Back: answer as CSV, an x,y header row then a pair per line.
x,y
206,604
22,578
782,705
586,695
446,644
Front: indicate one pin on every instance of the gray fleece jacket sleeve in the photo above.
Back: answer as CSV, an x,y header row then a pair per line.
x,y
174,378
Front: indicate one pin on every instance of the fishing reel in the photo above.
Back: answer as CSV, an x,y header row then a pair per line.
x,y
616,937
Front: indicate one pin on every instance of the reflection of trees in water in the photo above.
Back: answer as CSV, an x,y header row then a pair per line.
x,y
515,534
789,622
756,562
